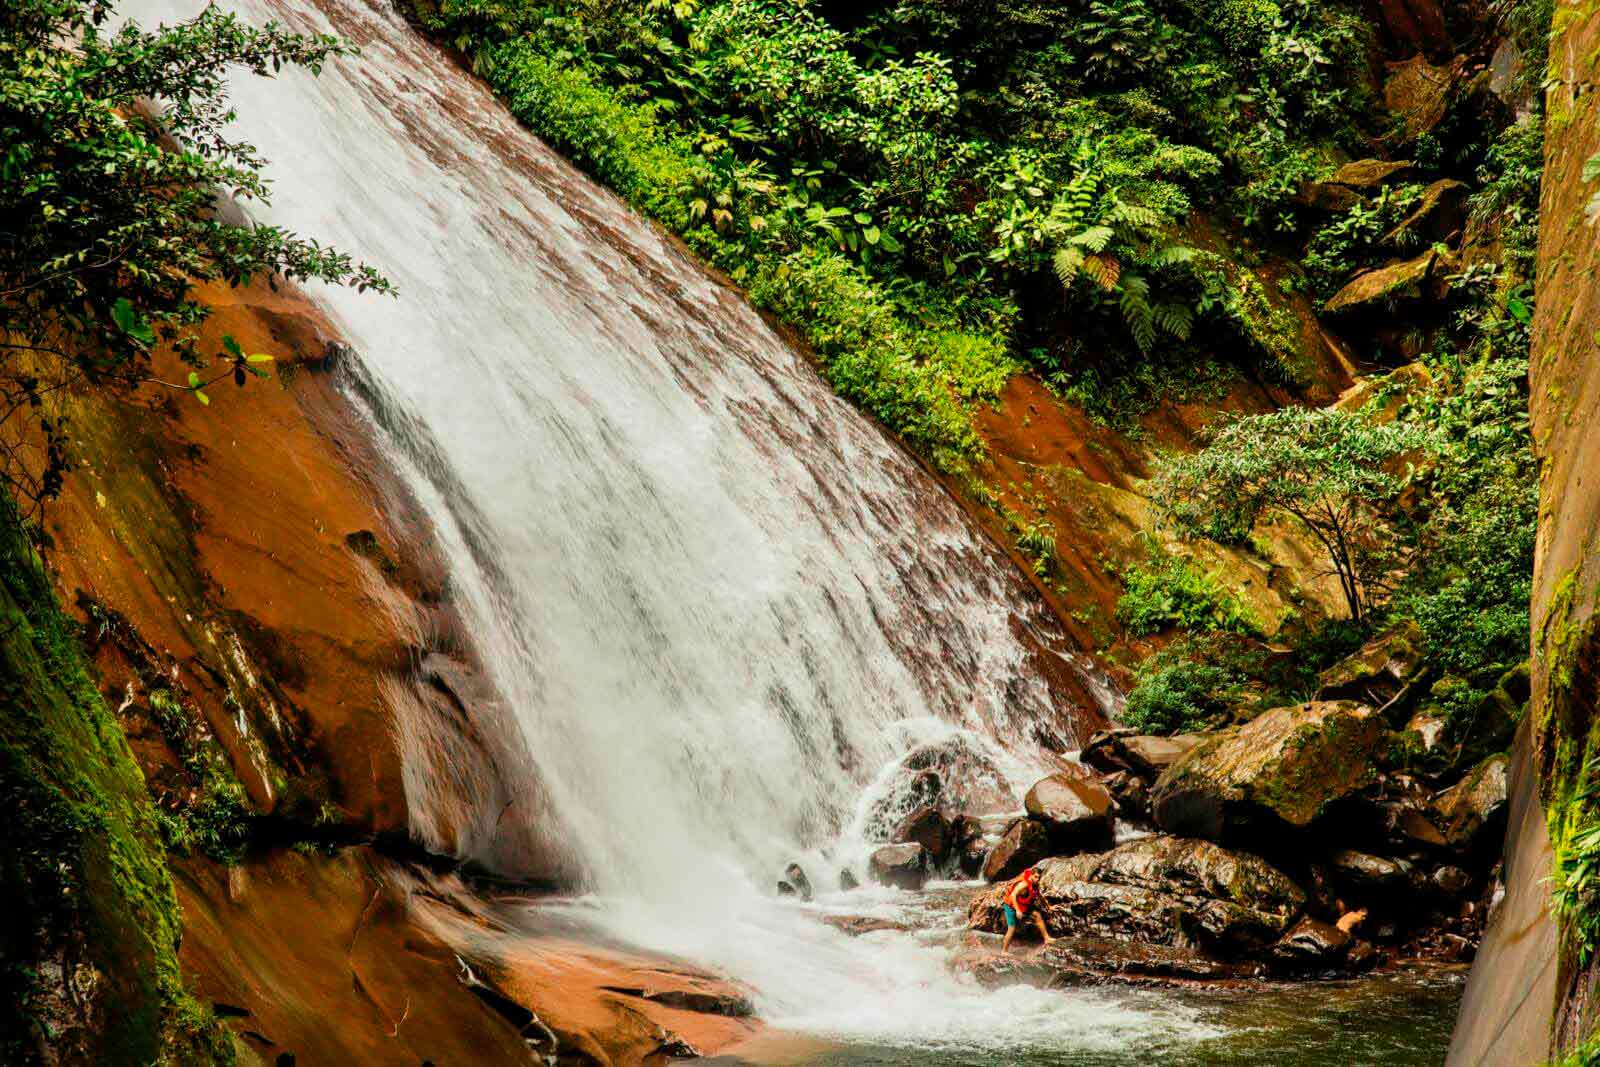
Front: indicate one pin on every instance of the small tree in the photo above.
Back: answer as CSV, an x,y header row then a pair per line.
x,y
108,217
1340,474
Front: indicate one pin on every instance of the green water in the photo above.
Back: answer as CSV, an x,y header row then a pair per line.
x,y
1391,1020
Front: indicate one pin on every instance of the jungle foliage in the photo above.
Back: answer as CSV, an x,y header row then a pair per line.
x,y
1426,496
109,210
1111,194
937,192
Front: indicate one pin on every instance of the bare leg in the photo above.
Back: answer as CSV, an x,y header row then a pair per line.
x,y
1038,918
1005,946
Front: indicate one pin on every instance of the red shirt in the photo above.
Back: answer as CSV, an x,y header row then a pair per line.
x,y
1020,896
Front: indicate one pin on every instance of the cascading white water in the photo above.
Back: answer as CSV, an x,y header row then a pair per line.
x,y
707,589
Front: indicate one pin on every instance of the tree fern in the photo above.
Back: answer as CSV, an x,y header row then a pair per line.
x,y
1095,238
1133,296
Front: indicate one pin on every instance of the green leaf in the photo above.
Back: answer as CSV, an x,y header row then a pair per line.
x,y
259,357
232,346
130,322
122,312
201,396
194,380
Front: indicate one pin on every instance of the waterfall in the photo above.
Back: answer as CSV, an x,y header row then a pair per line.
x,y
710,593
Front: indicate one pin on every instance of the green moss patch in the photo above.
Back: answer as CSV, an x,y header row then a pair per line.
x,y
90,904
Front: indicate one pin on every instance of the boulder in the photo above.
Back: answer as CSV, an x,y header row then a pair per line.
x,y
847,879
1160,890
856,925
1071,961
1076,812
1493,721
970,857
1375,289
1370,876
1369,174
787,890
901,866
927,827
1429,729
1020,847
909,789
1130,792
1451,881
795,876
1408,824
970,779
1377,672
1472,813
1142,754
1439,214
1311,945
1343,189
1420,92
1396,821
1420,24
1327,196
968,844
1283,769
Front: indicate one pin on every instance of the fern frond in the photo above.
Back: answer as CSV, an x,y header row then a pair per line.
x,y
1080,196
1169,256
1134,298
1095,238
1068,262
1134,215
1104,270
1174,318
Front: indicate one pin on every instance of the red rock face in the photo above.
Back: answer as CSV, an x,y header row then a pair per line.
x,y
1521,983
273,576
355,959
1417,24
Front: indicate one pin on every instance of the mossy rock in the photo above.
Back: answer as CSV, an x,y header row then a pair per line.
x,y
1377,672
1376,289
88,948
1472,813
1282,770
1161,890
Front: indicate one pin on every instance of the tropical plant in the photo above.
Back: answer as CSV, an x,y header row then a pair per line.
x,y
110,209
1094,237
1175,692
1169,590
1339,474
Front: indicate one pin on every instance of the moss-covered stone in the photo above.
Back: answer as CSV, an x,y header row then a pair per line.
x,y
89,939
1161,890
1380,287
1282,769
1378,671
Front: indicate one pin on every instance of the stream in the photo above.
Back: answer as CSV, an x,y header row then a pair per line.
x,y
716,599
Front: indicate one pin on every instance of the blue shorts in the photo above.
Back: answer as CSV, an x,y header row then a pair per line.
x,y
1011,916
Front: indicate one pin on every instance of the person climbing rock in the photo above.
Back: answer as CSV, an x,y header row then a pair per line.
x,y
1020,899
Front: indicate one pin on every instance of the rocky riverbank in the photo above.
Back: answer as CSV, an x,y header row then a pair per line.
x,y
1310,840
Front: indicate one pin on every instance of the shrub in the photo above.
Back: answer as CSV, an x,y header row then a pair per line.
x,y
1175,694
1337,473
110,214
1172,591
